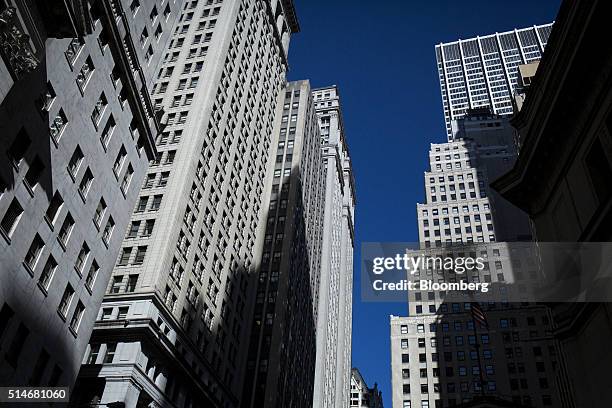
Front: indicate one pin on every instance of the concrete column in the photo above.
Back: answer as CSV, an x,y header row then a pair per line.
x,y
120,391
162,379
151,372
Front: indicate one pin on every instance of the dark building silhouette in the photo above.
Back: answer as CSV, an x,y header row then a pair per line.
x,y
563,172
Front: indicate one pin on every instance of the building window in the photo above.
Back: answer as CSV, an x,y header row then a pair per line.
x,y
85,184
33,253
142,204
84,74
5,317
90,280
64,232
54,207
58,125
134,6
75,162
99,214
64,304
119,161
93,354
110,353
148,229
98,110
134,228
14,350
47,98
39,368
81,259
11,218
107,132
131,284
116,284
123,311
163,180
34,172
77,316
149,180
140,255
73,50
47,274
19,147
127,178
107,313
125,256
108,230
149,53
156,203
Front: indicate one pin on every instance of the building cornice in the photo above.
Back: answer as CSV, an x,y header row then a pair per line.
x,y
125,54
291,15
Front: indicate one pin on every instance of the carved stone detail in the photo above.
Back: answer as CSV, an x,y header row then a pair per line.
x,y
14,44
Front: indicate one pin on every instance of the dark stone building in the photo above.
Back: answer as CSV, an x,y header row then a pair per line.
x,y
563,174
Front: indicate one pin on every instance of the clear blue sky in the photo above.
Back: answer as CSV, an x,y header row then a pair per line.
x,y
381,55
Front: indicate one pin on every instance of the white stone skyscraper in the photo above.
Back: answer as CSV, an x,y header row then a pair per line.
x,y
77,130
281,360
438,357
459,206
173,327
334,325
482,71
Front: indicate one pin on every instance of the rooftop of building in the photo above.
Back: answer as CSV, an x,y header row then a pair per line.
x,y
494,34
291,15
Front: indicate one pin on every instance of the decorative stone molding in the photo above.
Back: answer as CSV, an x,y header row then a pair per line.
x,y
14,45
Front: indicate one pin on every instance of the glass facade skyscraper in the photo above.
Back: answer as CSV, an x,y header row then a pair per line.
x,y
482,71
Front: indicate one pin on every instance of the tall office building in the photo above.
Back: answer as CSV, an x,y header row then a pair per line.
x,y
460,206
363,396
77,129
281,358
334,325
173,327
482,71
435,361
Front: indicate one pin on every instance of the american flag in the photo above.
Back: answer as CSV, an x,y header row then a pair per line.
x,y
478,314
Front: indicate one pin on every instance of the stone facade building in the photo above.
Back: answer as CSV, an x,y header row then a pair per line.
x,y
281,360
335,308
174,324
562,176
77,129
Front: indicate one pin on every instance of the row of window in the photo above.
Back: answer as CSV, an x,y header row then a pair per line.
x,y
16,346
525,400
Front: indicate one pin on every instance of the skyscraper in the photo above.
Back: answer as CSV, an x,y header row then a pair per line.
x,y
334,325
363,396
77,129
281,358
562,177
439,358
435,360
460,206
173,327
482,71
